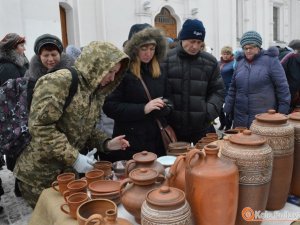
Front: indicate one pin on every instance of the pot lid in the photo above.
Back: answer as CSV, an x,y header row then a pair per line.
x,y
143,174
144,156
166,196
271,117
294,116
247,138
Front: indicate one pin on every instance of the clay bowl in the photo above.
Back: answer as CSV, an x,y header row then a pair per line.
x,y
178,148
94,207
113,196
104,186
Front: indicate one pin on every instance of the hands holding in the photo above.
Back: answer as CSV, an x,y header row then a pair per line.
x,y
156,103
118,143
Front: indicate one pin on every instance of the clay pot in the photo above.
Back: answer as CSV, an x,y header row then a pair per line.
x,y
178,148
253,158
109,219
96,208
134,189
106,166
94,175
144,159
209,180
73,202
280,137
107,189
62,182
166,205
294,120
74,187
176,174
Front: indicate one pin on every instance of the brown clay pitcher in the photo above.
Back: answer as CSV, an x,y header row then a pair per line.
x,y
144,159
280,137
166,205
294,120
135,188
253,158
209,180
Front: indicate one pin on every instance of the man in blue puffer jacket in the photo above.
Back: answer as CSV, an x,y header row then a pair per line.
x,y
258,84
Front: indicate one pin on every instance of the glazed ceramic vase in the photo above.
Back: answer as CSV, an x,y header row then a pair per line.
x,y
134,189
144,159
280,137
253,158
211,187
166,205
294,120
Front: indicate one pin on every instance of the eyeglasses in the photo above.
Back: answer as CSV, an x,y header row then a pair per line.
x,y
251,48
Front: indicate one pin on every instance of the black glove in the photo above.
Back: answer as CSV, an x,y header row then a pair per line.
x,y
165,111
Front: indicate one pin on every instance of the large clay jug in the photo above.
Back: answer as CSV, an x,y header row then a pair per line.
x,y
144,159
280,137
166,205
211,187
294,120
176,173
135,188
253,158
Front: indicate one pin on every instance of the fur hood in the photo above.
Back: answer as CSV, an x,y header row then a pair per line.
x,y
272,52
147,35
12,56
36,68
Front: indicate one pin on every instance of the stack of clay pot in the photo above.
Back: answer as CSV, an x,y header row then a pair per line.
x,y
178,148
144,159
211,187
294,120
209,138
253,158
280,137
166,205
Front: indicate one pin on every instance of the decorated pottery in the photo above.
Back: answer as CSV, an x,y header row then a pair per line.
x,y
253,157
166,205
280,136
211,187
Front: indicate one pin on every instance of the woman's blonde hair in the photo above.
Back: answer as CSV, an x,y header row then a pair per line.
x,y
135,67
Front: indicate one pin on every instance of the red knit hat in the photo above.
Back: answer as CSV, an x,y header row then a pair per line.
x,y
10,41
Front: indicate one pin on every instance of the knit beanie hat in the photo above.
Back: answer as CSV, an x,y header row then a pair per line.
x,y
251,38
47,39
295,44
10,41
192,29
226,49
136,28
72,51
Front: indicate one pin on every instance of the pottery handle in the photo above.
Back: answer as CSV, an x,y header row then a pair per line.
x,y
66,194
128,166
173,169
123,184
161,178
63,209
55,185
96,219
191,155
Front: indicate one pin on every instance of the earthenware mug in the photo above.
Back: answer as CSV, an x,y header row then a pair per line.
x,y
74,187
62,182
73,202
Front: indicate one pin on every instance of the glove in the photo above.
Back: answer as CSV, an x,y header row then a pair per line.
x,y
84,163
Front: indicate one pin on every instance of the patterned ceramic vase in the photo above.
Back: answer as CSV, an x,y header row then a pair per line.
x,y
166,205
253,158
280,137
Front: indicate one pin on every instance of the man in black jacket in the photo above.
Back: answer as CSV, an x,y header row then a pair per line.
x,y
194,84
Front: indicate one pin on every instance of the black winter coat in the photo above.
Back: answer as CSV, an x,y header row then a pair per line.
x,y
126,106
196,89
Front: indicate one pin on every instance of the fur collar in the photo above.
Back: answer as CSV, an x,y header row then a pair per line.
x,y
36,68
272,52
11,56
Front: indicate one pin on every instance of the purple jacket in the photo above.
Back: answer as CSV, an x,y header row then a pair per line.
x,y
257,87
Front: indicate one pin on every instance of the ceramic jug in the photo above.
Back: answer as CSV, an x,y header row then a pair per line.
x,y
208,182
166,205
294,120
144,159
135,188
253,158
280,137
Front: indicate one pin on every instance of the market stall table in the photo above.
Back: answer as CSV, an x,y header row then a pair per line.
x,y
47,211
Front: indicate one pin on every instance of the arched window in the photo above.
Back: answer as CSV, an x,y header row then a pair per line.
x,y
165,21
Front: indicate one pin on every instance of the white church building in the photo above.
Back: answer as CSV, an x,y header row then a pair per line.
x,y
80,21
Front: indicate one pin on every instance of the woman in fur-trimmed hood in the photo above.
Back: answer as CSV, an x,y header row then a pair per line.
x,y
133,113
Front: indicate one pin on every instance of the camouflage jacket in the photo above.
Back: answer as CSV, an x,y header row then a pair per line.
x,y
58,137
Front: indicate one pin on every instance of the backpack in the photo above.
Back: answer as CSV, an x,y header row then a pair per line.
x,y
15,101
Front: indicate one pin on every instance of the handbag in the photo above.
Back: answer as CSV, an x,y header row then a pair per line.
x,y
167,133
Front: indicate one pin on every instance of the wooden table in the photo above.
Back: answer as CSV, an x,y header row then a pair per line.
x,y
47,211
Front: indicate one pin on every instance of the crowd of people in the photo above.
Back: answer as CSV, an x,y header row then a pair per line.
x,y
188,87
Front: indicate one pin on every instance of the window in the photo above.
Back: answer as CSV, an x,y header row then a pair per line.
x,y
275,23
